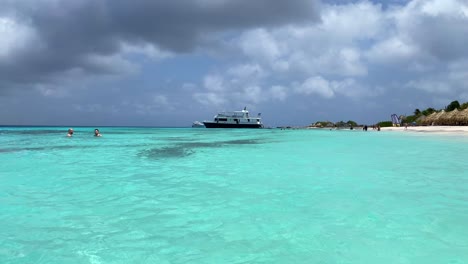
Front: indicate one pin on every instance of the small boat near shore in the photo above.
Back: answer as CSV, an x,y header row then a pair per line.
x,y
197,124
235,119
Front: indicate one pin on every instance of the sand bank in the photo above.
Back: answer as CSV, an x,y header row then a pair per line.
x,y
456,130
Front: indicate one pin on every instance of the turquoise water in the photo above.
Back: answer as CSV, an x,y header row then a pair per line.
x,y
154,195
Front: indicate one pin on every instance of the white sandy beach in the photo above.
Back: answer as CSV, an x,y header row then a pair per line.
x,y
456,130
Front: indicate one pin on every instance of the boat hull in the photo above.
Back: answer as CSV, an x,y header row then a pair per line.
x,y
228,125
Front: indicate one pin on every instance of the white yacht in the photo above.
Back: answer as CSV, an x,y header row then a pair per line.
x,y
236,119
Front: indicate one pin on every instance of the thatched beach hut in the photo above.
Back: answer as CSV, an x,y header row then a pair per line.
x,y
421,119
443,118
433,119
448,118
462,117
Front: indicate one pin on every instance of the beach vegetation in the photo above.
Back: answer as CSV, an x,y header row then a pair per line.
x,y
428,111
323,124
350,123
464,106
452,106
453,114
385,124
411,119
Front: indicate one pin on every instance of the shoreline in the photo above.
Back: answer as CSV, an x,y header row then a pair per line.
x,y
444,130
433,130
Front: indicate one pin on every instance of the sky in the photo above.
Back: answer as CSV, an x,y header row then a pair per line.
x,y
169,63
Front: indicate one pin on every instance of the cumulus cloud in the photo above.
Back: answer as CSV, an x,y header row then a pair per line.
x,y
419,37
210,99
393,50
330,47
214,83
328,89
15,37
317,85
228,53
260,45
424,30
430,85
247,71
240,83
146,49
41,38
278,92
452,81
333,58
219,90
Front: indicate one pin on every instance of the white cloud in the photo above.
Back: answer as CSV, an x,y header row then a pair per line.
x,y
214,83
251,94
49,90
317,85
149,50
294,52
328,89
261,45
114,64
393,50
240,83
95,108
353,89
189,87
161,100
401,41
330,47
344,62
210,99
15,36
453,81
446,7
428,85
278,92
246,71
355,21
458,71
437,27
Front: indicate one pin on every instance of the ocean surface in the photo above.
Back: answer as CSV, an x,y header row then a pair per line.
x,y
195,195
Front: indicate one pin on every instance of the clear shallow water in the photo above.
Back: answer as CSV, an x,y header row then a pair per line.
x,y
140,195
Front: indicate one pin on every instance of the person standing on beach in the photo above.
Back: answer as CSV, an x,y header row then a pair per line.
x,y
70,132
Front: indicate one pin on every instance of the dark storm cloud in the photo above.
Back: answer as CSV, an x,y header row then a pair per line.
x,y
81,36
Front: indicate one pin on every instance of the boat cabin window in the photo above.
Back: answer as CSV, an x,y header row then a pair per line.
x,y
222,119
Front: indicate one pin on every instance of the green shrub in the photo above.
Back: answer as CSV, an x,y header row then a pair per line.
x,y
410,119
385,124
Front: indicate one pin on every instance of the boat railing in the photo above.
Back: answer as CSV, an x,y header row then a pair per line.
x,y
231,114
